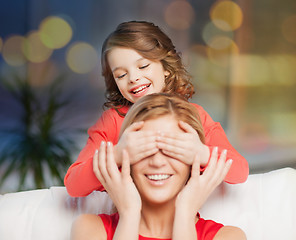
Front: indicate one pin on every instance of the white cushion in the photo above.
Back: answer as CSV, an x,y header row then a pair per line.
x,y
263,207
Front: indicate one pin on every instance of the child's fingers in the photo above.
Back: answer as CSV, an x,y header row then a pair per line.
x,y
186,127
136,126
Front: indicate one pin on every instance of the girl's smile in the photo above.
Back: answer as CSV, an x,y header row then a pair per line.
x,y
134,75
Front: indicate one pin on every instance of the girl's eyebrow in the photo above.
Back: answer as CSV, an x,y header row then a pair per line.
x,y
138,60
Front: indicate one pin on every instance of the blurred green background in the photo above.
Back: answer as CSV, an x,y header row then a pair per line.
x,y
241,54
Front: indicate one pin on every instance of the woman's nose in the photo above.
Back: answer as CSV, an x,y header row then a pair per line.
x,y
157,160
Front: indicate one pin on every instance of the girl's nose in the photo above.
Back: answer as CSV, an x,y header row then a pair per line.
x,y
134,76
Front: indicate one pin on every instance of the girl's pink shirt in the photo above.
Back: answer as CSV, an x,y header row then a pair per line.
x,y
80,179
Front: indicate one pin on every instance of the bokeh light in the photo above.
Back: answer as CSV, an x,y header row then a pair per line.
x,y
210,31
220,42
34,50
250,70
179,15
12,50
282,67
81,57
226,15
289,29
223,56
55,32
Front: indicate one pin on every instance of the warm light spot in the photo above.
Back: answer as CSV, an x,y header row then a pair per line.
x,y
12,51
223,56
210,32
289,29
55,32
34,50
179,15
283,69
220,42
81,57
250,70
226,15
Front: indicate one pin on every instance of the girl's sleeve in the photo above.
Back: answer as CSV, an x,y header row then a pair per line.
x,y
215,136
80,179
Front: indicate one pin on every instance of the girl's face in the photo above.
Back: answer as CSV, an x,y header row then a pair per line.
x,y
134,75
160,178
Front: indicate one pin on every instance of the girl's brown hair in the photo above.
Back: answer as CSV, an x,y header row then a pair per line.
x,y
161,104
151,43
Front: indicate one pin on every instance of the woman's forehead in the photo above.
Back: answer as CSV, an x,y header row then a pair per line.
x,y
167,123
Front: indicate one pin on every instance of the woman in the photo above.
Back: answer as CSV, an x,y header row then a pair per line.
x,y
158,197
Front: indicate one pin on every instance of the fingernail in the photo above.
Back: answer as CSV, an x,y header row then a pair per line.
x,y
96,152
108,144
224,152
216,149
102,143
229,161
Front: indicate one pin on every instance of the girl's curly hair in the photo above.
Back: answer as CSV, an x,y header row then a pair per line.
x,y
151,43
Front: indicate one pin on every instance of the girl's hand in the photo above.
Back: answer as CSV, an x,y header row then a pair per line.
x,y
199,187
119,185
183,146
138,144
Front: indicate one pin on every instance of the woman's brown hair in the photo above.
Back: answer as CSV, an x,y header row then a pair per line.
x,y
151,43
161,104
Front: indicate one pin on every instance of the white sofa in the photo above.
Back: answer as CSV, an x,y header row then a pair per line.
x,y
264,207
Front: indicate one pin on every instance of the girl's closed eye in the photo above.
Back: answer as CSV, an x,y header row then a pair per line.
x,y
144,66
120,76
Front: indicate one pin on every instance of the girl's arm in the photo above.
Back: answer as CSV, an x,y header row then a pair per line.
x,y
80,179
215,136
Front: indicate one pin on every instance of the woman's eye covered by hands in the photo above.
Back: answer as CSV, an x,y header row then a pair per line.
x,y
183,145
139,144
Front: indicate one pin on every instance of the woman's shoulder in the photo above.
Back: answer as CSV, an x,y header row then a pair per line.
x,y
207,229
110,223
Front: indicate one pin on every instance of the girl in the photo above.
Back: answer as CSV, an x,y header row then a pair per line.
x,y
139,59
158,197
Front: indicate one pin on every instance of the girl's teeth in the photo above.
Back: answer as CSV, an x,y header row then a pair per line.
x,y
158,177
139,89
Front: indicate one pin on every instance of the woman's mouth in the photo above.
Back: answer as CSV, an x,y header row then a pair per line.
x,y
158,177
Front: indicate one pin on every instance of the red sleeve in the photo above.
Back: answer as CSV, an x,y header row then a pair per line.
x,y
215,136
207,229
80,179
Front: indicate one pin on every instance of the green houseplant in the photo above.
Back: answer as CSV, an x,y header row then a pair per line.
x,y
39,143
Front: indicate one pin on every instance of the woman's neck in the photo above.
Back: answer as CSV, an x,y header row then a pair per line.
x,y
157,220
